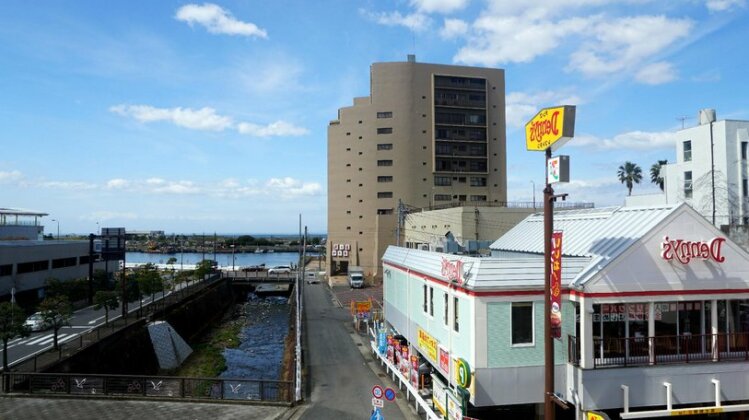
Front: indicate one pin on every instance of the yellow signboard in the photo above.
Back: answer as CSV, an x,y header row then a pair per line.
x,y
594,415
428,344
696,411
551,127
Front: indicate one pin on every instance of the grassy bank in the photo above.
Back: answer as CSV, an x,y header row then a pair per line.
x,y
207,359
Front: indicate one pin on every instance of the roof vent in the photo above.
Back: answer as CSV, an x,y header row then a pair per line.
x,y
411,58
707,116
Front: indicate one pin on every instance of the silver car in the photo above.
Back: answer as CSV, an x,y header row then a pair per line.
x,y
280,269
36,322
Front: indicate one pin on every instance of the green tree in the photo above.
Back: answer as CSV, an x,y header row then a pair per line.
x,y
204,268
107,300
11,326
171,261
629,174
56,311
149,281
655,173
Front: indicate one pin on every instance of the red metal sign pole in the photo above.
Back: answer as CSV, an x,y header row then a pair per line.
x,y
549,409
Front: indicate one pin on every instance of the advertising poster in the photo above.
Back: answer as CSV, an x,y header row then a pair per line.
x,y
404,361
415,371
444,362
391,349
556,285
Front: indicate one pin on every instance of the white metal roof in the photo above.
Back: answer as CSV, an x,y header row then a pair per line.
x,y
486,272
603,232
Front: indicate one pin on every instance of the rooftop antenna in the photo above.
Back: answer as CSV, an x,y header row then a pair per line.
x,y
682,119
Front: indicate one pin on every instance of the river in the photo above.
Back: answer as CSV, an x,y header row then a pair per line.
x,y
224,260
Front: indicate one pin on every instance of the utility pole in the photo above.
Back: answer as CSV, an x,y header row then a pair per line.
x,y
549,410
398,228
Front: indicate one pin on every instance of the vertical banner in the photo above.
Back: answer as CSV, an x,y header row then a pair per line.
x,y
556,284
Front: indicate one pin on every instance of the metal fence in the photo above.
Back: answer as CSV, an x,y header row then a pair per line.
x,y
645,351
144,387
40,360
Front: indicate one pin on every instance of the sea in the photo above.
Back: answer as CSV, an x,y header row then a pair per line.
x,y
238,260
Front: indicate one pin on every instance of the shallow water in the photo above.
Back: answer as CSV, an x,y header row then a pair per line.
x,y
261,347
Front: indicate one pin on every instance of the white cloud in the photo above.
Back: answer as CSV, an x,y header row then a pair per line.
x,y
522,106
10,176
623,43
217,20
453,28
67,185
110,215
416,22
278,128
633,140
289,187
275,74
439,6
723,5
117,183
656,73
155,181
200,119
177,187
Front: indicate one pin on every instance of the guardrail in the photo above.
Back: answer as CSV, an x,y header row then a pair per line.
x,y
46,357
145,387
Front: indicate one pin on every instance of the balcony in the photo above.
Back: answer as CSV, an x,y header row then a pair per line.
x,y
661,350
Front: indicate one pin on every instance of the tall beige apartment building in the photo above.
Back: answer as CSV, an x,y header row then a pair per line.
x,y
428,135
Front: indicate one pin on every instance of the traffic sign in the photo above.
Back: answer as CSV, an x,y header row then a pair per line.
x,y
377,391
376,402
389,394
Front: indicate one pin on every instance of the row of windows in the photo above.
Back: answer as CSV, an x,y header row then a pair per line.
x,y
461,82
464,134
459,118
455,165
428,307
43,265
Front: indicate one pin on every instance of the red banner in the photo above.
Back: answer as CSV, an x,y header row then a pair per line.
x,y
556,284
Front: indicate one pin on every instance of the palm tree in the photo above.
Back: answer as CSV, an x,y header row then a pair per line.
x,y
655,173
630,174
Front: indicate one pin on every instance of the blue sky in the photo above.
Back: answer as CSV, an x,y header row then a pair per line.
x,y
203,117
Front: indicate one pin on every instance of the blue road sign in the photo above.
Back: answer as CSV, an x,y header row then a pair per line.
x,y
376,415
389,394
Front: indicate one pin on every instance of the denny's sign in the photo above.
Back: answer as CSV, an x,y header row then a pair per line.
x,y
551,127
685,251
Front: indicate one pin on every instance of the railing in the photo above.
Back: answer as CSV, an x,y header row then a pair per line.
x,y
644,351
144,387
563,205
44,358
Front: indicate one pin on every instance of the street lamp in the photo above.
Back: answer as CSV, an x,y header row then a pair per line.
x,y
58,228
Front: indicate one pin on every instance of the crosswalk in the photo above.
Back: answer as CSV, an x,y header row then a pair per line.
x,y
42,340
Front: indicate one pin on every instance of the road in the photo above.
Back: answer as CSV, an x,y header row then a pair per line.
x,y
82,321
341,370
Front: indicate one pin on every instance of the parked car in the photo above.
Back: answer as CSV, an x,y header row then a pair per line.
x,y
254,268
280,269
36,322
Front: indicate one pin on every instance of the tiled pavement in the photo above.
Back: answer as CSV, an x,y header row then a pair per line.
x,y
84,409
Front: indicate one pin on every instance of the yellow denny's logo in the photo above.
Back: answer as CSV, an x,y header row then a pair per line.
x,y
551,127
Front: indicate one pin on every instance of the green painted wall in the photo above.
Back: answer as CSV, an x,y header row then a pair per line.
x,y
500,351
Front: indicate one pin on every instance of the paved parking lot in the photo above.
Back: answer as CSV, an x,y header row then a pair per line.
x,y
344,294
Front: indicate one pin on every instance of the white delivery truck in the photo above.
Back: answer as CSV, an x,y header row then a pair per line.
x,y
355,276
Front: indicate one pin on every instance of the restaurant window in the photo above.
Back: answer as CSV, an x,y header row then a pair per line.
x,y
688,151
424,306
431,301
522,323
688,184
445,316
456,320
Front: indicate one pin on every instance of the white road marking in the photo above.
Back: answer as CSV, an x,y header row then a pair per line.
x,y
42,338
51,339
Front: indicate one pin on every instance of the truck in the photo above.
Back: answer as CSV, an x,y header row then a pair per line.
x,y
355,276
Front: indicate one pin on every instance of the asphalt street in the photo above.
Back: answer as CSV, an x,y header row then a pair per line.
x,y
341,369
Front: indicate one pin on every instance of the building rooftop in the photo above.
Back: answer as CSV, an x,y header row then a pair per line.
x,y
21,212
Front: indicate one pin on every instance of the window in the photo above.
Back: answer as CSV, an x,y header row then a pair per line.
x,y
456,320
478,181
30,267
745,187
688,184
478,198
384,179
522,323
385,162
431,301
385,195
385,130
386,114
425,298
442,197
442,180
6,270
688,151
64,262
447,306
743,149
385,146
384,211
83,259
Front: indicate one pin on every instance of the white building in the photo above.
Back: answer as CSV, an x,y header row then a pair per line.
x,y
722,195
655,315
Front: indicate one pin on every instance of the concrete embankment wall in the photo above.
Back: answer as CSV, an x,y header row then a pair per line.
x,y
131,351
